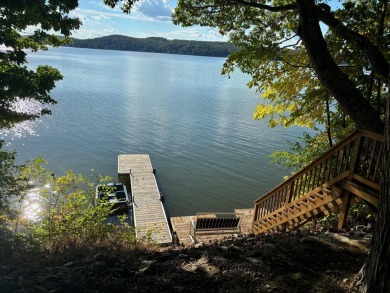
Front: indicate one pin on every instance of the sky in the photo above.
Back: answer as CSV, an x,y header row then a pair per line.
x,y
149,18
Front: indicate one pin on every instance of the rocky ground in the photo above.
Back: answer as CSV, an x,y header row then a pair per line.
x,y
324,262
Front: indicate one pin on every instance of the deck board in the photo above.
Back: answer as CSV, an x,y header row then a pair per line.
x,y
148,210
181,225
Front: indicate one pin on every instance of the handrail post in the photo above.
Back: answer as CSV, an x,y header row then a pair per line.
x,y
287,200
289,193
255,213
356,154
346,198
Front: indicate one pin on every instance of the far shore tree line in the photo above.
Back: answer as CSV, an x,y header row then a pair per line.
x,y
337,78
156,45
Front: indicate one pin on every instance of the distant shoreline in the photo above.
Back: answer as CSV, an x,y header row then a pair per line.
x,y
156,45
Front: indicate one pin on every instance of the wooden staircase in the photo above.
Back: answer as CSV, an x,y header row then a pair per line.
x,y
346,174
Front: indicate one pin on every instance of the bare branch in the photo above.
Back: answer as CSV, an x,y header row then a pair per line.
x,y
288,39
288,7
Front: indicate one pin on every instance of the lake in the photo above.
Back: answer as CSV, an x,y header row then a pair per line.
x,y
196,125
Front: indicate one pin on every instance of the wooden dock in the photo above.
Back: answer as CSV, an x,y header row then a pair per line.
x,y
181,226
150,221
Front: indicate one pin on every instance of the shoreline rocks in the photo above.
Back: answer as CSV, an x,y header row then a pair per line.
x,y
265,263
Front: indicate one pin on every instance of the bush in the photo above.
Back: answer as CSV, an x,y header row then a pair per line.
x,y
69,218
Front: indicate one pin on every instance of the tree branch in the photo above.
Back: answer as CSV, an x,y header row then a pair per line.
x,y
378,61
289,39
330,75
287,7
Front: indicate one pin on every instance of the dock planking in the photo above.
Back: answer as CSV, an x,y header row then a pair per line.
x,y
181,226
149,213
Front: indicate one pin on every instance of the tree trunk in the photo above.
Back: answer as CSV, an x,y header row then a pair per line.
x,y
377,267
375,272
378,61
331,76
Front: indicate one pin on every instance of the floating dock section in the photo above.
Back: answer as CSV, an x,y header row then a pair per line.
x,y
150,220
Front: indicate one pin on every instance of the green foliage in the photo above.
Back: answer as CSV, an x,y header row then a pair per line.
x,y
7,180
157,45
273,54
17,81
308,147
301,152
71,218
359,214
15,244
125,6
68,218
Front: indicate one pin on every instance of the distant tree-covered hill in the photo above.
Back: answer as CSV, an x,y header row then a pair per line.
x,y
157,45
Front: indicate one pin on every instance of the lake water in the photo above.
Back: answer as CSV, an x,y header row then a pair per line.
x,y
196,125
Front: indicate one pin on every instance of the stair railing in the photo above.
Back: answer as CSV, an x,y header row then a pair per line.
x,y
356,157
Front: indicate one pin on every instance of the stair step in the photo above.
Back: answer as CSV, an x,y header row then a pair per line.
x,y
304,203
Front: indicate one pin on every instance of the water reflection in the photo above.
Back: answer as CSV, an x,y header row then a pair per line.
x,y
27,106
192,122
40,197
32,205
35,200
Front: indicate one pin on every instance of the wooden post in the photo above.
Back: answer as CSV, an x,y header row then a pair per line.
x,y
346,198
255,213
289,195
346,202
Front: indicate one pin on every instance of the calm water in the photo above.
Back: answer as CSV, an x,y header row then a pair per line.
x,y
195,124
